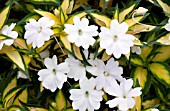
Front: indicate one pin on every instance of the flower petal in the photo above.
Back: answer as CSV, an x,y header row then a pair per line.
x,y
135,92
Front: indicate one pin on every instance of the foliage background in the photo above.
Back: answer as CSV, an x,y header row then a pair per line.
x,y
146,69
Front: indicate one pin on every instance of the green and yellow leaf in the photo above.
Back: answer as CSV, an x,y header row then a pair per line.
x,y
137,60
10,85
106,20
61,102
164,40
15,56
165,7
134,21
4,15
70,19
23,96
66,43
163,53
77,52
161,71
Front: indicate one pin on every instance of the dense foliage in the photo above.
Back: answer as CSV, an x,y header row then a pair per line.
x,y
66,55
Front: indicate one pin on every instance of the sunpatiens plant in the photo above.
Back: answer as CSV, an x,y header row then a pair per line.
x,y
85,55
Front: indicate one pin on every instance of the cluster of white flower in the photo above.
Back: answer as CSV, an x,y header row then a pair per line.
x,y
105,77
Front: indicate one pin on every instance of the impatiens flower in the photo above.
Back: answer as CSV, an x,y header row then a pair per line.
x,y
109,74
141,11
136,50
21,75
80,33
115,40
86,98
7,30
37,32
77,69
123,94
55,74
167,26
154,109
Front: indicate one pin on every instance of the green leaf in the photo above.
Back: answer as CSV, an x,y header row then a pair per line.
x,y
44,1
145,51
134,21
102,18
142,77
136,60
77,52
163,54
161,71
15,108
28,17
79,14
69,109
9,97
127,10
165,7
65,42
15,56
4,15
23,96
10,85
61,102
116,13
160,91
164,39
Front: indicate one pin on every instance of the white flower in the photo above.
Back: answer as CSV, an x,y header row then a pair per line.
x,y
37,32
21,75
86,97
141,11
54,76
109,74
77,69
154,109
96,66
115,40
80,33
167,26
123,94
136,50
7,30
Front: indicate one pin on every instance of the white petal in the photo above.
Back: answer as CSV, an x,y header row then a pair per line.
x,y
50,63
127,85
63,67
78,103
76,20
61,76
114,25
94,104
96,95
49,83
167,27
84,22
123,28
114,102
135,92
115,90
43,73
45,22
87,84
126,104
76,94
9,42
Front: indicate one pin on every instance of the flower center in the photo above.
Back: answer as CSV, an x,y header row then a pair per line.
x,y
115,38
106,74
87,93
39,29
80,32
124,96
54,71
